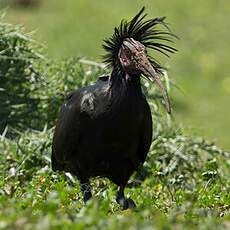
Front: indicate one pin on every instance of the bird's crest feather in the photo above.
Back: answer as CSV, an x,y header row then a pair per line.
x,y
148,32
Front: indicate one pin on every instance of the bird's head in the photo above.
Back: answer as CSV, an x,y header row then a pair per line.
x,y
127,49
134,60
132,56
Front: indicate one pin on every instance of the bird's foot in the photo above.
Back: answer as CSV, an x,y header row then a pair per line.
x,y
126,203
86,190
87,196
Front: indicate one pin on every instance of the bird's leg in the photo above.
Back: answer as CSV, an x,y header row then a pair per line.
x,y
124,202
86,190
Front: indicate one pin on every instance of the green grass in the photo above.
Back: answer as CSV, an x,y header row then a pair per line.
x,y
186,186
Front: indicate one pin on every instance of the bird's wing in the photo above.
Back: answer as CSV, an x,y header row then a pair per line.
x,y
146,133
66,132
78,108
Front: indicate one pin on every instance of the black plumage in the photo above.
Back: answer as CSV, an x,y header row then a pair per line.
x,y
105,129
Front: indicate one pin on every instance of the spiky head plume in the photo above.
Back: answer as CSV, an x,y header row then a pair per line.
x,y
148,32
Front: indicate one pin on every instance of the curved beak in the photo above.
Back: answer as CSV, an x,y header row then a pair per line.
x,y
147,69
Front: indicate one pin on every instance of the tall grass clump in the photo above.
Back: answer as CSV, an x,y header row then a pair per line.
x,y
19,79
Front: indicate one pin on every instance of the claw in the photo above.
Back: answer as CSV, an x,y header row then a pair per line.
x,y
126,203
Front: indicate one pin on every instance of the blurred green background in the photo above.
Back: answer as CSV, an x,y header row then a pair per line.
x,y
200,68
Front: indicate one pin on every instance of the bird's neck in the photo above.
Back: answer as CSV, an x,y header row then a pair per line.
x,y
125,83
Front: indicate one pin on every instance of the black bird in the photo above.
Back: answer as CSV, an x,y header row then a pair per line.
x,y
105,129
